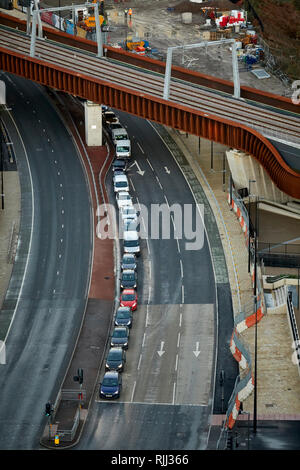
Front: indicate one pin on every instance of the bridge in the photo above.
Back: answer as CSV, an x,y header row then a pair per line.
x,y
198,104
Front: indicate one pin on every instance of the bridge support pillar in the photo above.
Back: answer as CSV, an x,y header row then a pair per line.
x,y
93,124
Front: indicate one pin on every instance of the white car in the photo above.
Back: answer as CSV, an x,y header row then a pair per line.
x,y
120,183
123,199
128,212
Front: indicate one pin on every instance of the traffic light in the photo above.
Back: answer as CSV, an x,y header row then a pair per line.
x,y
80,375
229,445
48,409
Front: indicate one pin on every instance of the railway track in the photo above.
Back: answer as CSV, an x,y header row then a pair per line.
x,y
282,126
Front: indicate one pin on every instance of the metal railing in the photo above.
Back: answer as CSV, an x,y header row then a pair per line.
x,y
69,434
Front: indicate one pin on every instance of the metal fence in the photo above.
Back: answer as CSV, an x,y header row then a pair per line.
x,y
68,435
294,330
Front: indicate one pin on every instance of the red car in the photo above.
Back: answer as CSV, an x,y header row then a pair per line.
x,y
128,298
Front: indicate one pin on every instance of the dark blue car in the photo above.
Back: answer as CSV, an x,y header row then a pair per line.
x,y
111,385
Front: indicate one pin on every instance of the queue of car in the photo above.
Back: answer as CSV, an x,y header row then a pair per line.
x,y
111,384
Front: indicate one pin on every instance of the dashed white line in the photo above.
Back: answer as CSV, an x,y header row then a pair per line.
x,y
181,267
174,391
132,184
140,147
150,164
176,362
182,293
180,320
167,201
178,339
134,385
157,179
148,246
178,245
144,337
139,363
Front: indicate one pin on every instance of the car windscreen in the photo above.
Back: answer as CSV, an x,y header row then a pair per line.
x,y
131,243
121,184
110,382
123,149
124,197
128,297
121,137
120,334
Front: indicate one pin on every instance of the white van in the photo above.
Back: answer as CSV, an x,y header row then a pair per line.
x,y
119,134
123,149
131,242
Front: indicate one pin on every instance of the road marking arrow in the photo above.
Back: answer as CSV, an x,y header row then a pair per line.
x,y
197,352
161,351
167,170
139,171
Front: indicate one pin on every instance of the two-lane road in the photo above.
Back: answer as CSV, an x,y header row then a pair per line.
x,y
168,381
50,279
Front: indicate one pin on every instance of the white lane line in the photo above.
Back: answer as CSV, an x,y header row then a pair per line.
x,y
31,226
167,201
144,337
144,225
178,339
178,247
134,385
132,184
182,294
181,267
140,147
147,316
180,320
172,218
148,246
139,363
150,164
174,391
176,362
157,179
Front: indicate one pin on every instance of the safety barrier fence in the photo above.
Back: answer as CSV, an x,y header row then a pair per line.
x,y
245,383
294,330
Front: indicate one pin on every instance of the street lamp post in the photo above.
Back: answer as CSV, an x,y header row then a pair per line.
x,y
249,223
255,337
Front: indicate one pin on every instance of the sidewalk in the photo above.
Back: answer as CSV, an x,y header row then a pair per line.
x,y
278,381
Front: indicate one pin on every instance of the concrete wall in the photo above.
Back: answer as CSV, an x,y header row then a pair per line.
x,y
244,167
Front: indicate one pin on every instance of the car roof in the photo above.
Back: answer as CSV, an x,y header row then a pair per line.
x,y
124,192
130,235
128,291
123,142
120,178
129,255
111,373
126,271
120,130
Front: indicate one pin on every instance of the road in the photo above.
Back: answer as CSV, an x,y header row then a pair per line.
x,y
168,382
50,279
